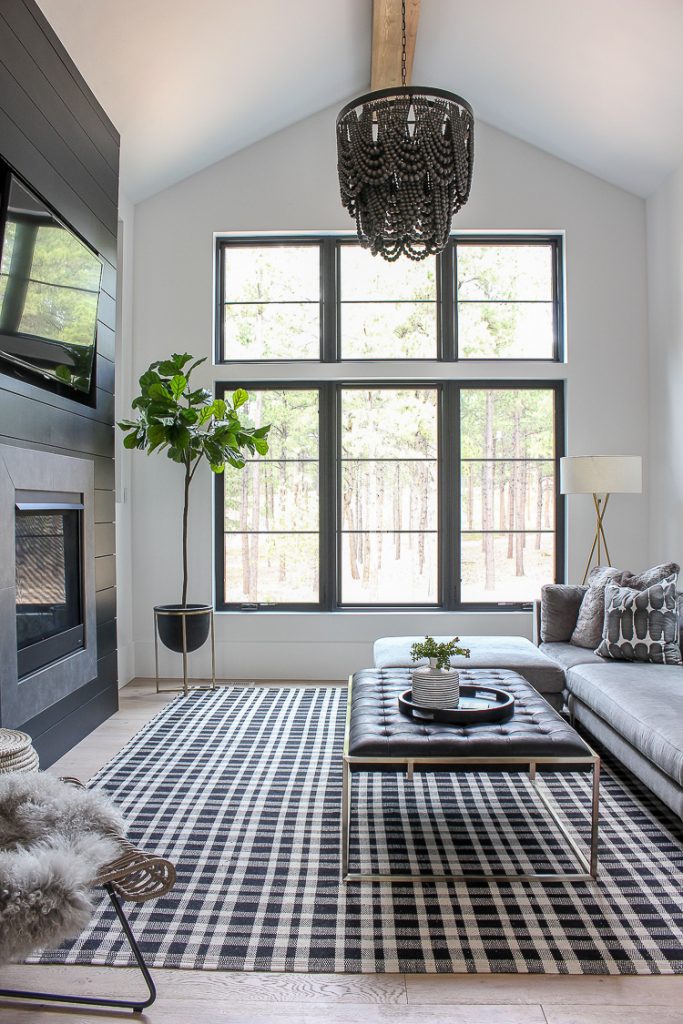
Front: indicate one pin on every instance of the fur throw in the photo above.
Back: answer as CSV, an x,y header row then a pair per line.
x,y
54,839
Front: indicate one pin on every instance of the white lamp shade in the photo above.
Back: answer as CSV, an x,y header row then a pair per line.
x,y
601,474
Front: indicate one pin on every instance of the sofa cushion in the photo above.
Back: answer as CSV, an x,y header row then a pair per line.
x,y
511,652
643,703
642,625
560,605
567,655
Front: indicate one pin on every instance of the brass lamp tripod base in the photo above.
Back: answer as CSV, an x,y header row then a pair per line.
x,y
599,539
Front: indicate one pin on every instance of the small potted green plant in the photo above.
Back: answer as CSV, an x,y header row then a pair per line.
x,y
191,427
436,685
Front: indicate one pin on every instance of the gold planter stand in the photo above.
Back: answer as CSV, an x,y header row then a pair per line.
x,y
185,688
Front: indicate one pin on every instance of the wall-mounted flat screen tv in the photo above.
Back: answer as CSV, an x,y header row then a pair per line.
x,y
49,293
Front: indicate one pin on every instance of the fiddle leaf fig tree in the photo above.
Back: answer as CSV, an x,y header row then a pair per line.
x,y
190,425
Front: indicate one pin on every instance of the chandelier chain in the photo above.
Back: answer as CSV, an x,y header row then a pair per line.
x,y
404,59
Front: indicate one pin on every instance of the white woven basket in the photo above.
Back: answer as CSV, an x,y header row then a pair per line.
x,y
16,752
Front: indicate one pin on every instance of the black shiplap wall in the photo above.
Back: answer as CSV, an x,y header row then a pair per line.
x,y
55,134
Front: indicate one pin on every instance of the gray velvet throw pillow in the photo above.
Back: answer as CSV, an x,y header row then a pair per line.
x,y
560,605
642,625
654,575
590,620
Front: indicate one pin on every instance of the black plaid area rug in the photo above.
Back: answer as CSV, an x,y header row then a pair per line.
x,y
241,788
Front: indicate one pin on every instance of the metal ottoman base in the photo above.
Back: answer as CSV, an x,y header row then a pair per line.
x,y
586,858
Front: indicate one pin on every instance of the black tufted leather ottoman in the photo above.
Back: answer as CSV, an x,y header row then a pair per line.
x,y
535,739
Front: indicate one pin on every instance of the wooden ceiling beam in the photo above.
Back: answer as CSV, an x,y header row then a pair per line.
x,y
386,42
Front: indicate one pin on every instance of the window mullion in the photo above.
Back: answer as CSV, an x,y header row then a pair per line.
x,y
328,496
449,498
219,290
329,320
446,303
558,301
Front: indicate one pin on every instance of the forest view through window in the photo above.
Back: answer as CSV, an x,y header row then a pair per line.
x,y
395,490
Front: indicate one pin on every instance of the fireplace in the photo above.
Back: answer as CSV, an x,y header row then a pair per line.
x,y
48,636
49,576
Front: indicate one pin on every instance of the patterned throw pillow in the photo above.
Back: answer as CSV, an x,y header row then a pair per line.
x,y
642,625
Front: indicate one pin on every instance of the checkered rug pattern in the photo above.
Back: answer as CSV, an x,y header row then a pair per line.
x,y
241,789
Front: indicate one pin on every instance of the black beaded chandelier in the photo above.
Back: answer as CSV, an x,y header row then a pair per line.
x,y
405,165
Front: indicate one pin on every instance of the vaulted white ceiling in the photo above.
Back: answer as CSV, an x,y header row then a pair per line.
x,y
596,82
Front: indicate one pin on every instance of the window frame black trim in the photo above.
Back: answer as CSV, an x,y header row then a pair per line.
x,y
386,385
446,298
448,515
248,242
556,243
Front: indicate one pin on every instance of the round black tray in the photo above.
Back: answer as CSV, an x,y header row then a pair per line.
x,y
477,704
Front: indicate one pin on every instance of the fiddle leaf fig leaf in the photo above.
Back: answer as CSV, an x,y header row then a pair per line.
x,y
159,391
218,409
149,377
196,363
200,397
156,435
178,385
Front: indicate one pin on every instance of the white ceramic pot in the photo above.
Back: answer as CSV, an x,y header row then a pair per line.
x,y
436,687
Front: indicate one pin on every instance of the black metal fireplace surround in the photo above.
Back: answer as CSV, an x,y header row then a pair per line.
x,y
49,573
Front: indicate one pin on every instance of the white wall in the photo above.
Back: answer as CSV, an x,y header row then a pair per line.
x,y
124,466
665,276
288,182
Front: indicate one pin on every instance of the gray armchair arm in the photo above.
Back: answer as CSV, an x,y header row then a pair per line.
x,y
536,623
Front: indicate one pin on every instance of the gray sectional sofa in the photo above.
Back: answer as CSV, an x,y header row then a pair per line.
x,y
634,709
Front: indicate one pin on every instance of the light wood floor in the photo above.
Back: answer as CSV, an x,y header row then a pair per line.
x,y
208,997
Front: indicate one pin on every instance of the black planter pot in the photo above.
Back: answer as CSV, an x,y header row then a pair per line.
x,y
170,619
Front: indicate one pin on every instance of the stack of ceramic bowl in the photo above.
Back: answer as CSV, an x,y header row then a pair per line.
x,y
436,688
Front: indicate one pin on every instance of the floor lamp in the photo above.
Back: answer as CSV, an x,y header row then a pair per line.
x,y
601,475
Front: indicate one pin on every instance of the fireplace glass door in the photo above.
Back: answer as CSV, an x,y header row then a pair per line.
x,y
49,579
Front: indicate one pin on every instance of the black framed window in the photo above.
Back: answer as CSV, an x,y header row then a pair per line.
x,y
507,299
386,310
326,298
269,512
511,518
269,300
440,494
387,509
